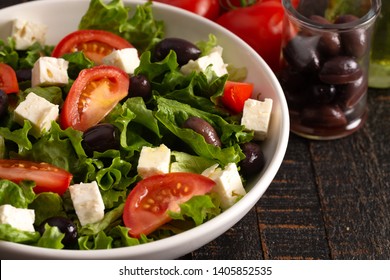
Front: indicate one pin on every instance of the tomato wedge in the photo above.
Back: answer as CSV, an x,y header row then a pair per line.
x,y
94,93
147,204
95,44
47,177
8,80
235,94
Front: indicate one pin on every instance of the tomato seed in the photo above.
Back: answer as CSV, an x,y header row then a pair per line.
x,y
151,201
155,209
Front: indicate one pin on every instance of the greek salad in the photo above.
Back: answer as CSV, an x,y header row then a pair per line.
x,y
119,135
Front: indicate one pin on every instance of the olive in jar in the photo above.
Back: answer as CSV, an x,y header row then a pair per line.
x,y
330,42
340,70
355,42
302,53
185,50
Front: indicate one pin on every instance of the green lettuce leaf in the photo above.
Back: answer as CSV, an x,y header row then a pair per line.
x,y
9,233
77,62
95,242
47,205
109,218
61,148
18,136
51,238
173,114
183,162
22,59
122,238
18,195
141,29
53,94
198,208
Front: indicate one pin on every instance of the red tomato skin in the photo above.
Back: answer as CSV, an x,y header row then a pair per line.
x,y
147,204
259,25
48,178
81,117
206,8
8,79
235,94
105,39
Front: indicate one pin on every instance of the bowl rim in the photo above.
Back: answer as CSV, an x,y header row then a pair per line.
x,y
150,250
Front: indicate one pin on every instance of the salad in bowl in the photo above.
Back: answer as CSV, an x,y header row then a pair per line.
x,y
122,133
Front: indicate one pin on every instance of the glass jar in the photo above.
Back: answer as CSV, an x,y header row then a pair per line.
x,y
379,75
325,60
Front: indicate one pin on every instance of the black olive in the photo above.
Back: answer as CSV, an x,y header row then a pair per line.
x,y
23,75
254,159
329,44
140,86
100,138
302,53
185,50
3,103
355,42
292,82
65,226
324,116
202,127
322,93
340,70
352,93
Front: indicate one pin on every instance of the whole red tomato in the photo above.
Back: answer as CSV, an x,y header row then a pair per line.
x,y
206,8
260,25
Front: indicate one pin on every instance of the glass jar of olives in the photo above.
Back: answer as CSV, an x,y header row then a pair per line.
x,y
325,59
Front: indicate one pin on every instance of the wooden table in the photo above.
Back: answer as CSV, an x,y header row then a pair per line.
x,y
329,200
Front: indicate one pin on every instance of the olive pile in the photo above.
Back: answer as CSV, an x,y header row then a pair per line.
x,y
324,81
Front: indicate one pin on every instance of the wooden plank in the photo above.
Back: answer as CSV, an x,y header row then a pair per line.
x,y
240,242
354,190
289,213
6,3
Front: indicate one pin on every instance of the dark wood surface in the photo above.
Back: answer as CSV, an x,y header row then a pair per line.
x,y
329,200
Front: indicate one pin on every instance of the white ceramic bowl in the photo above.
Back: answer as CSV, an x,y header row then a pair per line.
x,y
62,17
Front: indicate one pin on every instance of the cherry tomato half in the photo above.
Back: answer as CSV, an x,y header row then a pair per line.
x,y
95,44
147,204
94,93
8,80
207,8
47,177
235,94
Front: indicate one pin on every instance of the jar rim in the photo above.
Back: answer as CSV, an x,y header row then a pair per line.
x,y
366,19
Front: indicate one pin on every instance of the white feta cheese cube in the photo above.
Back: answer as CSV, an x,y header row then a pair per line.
x,y
256,116
26,33
50,71
38,111
19,218
87,202
153,161
214,58
228,186
126,59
